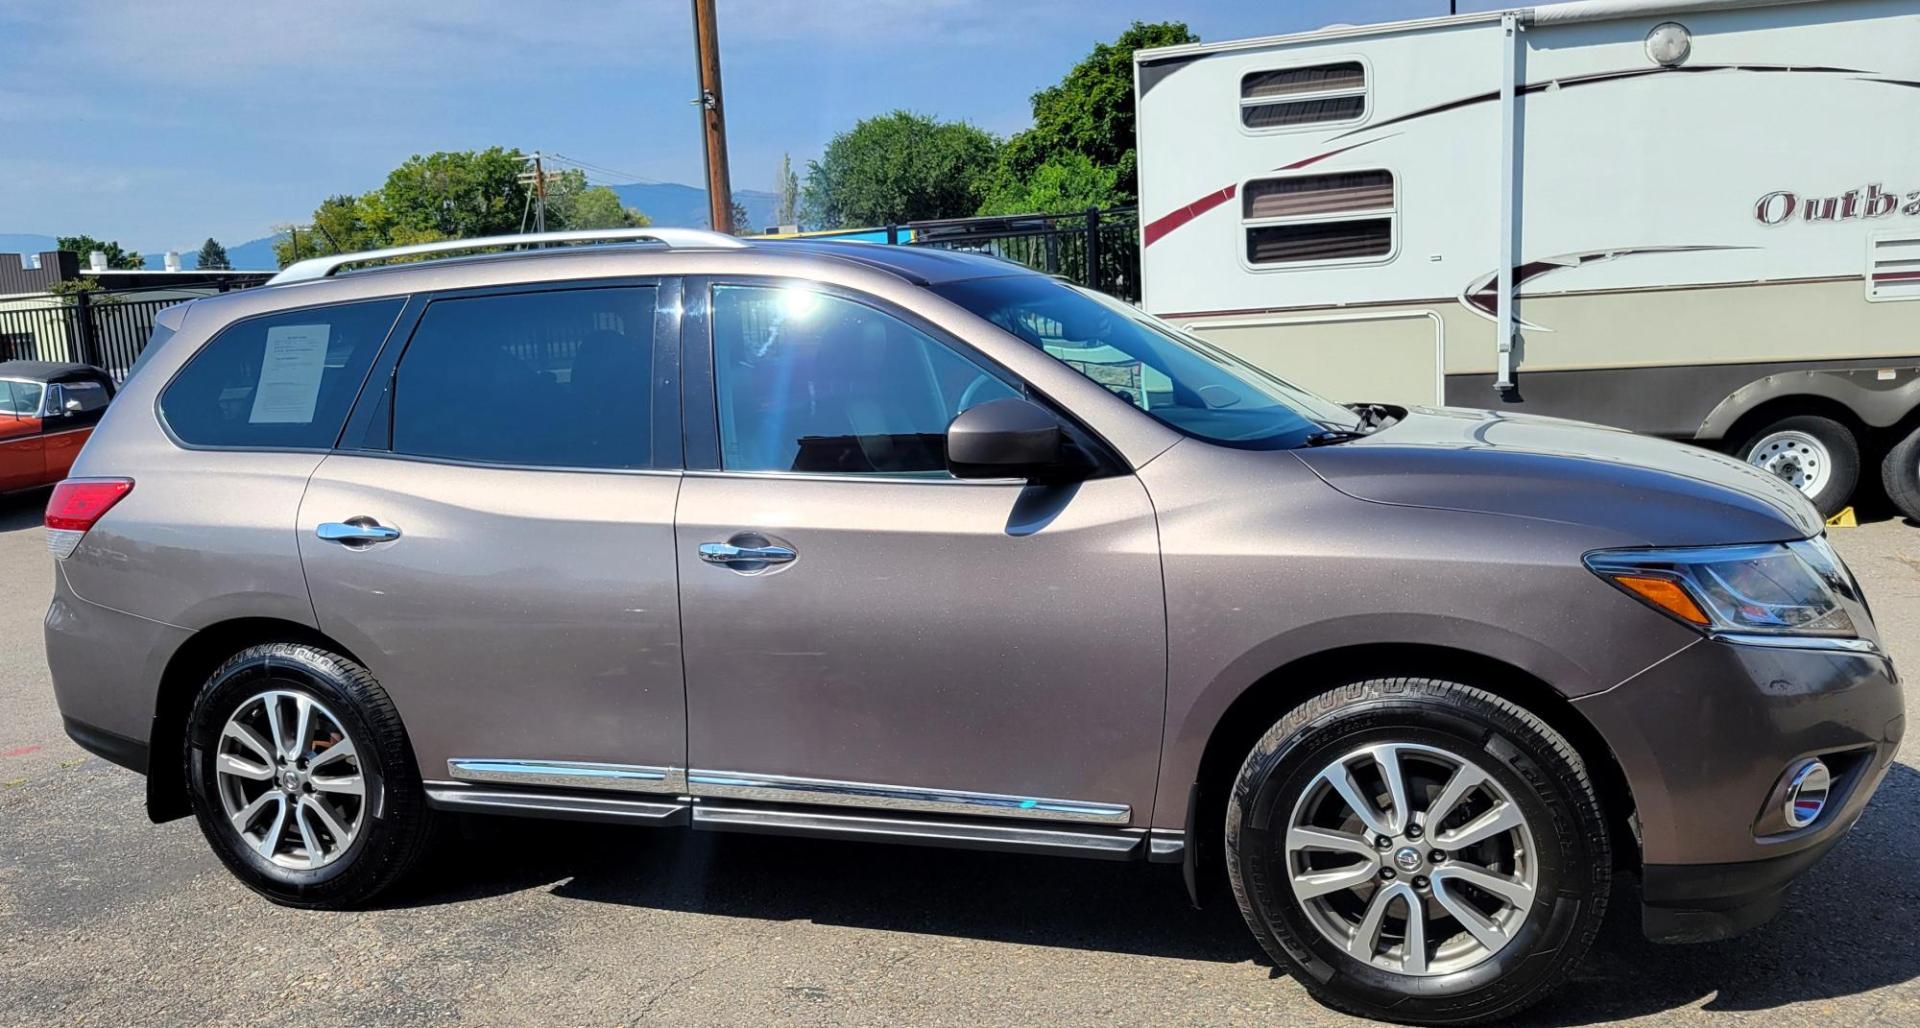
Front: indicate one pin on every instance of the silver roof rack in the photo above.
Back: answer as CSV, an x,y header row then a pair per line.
x,y
323,267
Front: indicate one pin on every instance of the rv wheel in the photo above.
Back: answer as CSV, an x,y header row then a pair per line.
x,y
1815,455
1901,474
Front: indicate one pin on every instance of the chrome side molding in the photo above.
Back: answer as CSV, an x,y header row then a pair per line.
x,y
569,774
741,785
455,796
1107,844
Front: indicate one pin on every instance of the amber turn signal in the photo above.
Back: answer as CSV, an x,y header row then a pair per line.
x,y
1666,594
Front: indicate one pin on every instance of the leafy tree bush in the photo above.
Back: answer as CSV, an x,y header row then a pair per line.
x,y
899,167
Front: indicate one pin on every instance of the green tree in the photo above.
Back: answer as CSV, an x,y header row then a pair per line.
x,y
573,204
740,226
1089,114
899,167
125,260
212,256
449,195
786,188
1064,185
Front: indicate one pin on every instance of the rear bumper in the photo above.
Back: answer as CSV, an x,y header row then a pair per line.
x,y
1704,739
106,668
128,753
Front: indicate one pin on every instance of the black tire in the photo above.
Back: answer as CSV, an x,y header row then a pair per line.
x,y
1842,451
1900,473
395,826
1532,763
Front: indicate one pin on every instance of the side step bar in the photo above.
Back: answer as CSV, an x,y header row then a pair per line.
x,y
1068,840
453,796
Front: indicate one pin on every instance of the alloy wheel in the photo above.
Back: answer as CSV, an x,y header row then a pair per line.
x,y
1412,859
290,780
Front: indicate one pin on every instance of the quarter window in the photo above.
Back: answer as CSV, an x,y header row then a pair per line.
x,y
554,379
1318,94
283,381
1305,219
810,382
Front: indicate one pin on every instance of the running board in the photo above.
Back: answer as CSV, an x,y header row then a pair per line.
x,y
1108,844
454,796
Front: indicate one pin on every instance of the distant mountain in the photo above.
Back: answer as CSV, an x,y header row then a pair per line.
x,y
672,205
252,255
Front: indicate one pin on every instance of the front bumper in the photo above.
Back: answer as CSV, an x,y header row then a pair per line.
x,y
1704,737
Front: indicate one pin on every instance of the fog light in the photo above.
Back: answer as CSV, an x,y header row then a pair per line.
x,y
1807,790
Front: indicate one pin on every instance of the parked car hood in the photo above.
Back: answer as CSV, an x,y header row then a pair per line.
x,y
1658,492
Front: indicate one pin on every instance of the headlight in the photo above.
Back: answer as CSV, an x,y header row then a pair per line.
x,y
1772,589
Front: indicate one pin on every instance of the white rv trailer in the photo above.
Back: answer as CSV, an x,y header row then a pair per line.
x,y
1707,215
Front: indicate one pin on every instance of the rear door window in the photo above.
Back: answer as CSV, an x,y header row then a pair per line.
x,y
284,381
548,379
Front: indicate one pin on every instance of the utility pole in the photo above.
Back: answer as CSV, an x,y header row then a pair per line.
x,y
537,178
706,43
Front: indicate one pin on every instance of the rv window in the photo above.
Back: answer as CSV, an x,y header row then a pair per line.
x,y
1304,218
1317,94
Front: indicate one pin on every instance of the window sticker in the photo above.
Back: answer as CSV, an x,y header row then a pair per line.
x,y
290,373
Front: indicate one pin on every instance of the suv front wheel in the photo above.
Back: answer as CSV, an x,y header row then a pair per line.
x,y
302,778
1419,851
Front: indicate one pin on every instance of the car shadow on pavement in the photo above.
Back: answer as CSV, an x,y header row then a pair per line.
x,y
23,510
1844,930
1123,907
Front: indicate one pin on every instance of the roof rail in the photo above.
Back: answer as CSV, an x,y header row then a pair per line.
x,y
323,267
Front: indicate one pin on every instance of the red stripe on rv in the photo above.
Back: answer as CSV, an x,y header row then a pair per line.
x,y
1168,222
1181,215
1897,276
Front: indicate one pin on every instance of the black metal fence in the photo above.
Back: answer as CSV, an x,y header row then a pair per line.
x,y
1096,248
102,329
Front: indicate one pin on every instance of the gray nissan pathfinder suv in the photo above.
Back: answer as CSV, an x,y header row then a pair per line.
x,y
906,545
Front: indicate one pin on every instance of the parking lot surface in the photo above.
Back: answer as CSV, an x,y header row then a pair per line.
x,y
107,919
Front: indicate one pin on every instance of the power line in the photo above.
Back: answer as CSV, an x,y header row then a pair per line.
x,y
620,177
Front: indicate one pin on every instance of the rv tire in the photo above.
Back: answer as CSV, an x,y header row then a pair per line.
x,y
1817,455
1900,472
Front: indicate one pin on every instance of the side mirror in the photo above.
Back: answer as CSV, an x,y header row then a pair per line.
x,y
1006,438
56,402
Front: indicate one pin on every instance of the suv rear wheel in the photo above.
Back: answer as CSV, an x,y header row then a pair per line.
x,y
302,778
1418,851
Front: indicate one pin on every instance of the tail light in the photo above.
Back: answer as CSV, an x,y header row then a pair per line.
x,y
74,507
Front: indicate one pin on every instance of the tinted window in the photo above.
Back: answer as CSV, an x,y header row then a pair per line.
x,y
280,381
1294,219
558,379
1183,382
90,396
1314,95
815,383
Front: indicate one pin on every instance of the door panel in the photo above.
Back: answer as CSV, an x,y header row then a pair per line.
x,y
520,614
984,637
23,461
61,449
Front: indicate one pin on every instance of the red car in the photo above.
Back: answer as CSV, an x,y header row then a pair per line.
x,y
47,411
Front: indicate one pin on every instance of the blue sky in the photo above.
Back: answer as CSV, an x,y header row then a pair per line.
x,y
161,124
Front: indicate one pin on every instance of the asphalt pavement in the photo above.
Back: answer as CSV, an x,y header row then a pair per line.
x,y
107,919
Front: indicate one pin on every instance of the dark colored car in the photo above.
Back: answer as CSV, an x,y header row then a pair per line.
x,y
896,544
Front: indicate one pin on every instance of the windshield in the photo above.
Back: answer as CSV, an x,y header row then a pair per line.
x,y
1186,383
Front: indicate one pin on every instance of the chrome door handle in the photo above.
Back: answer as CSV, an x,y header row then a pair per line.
x,y
356,532
727,553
